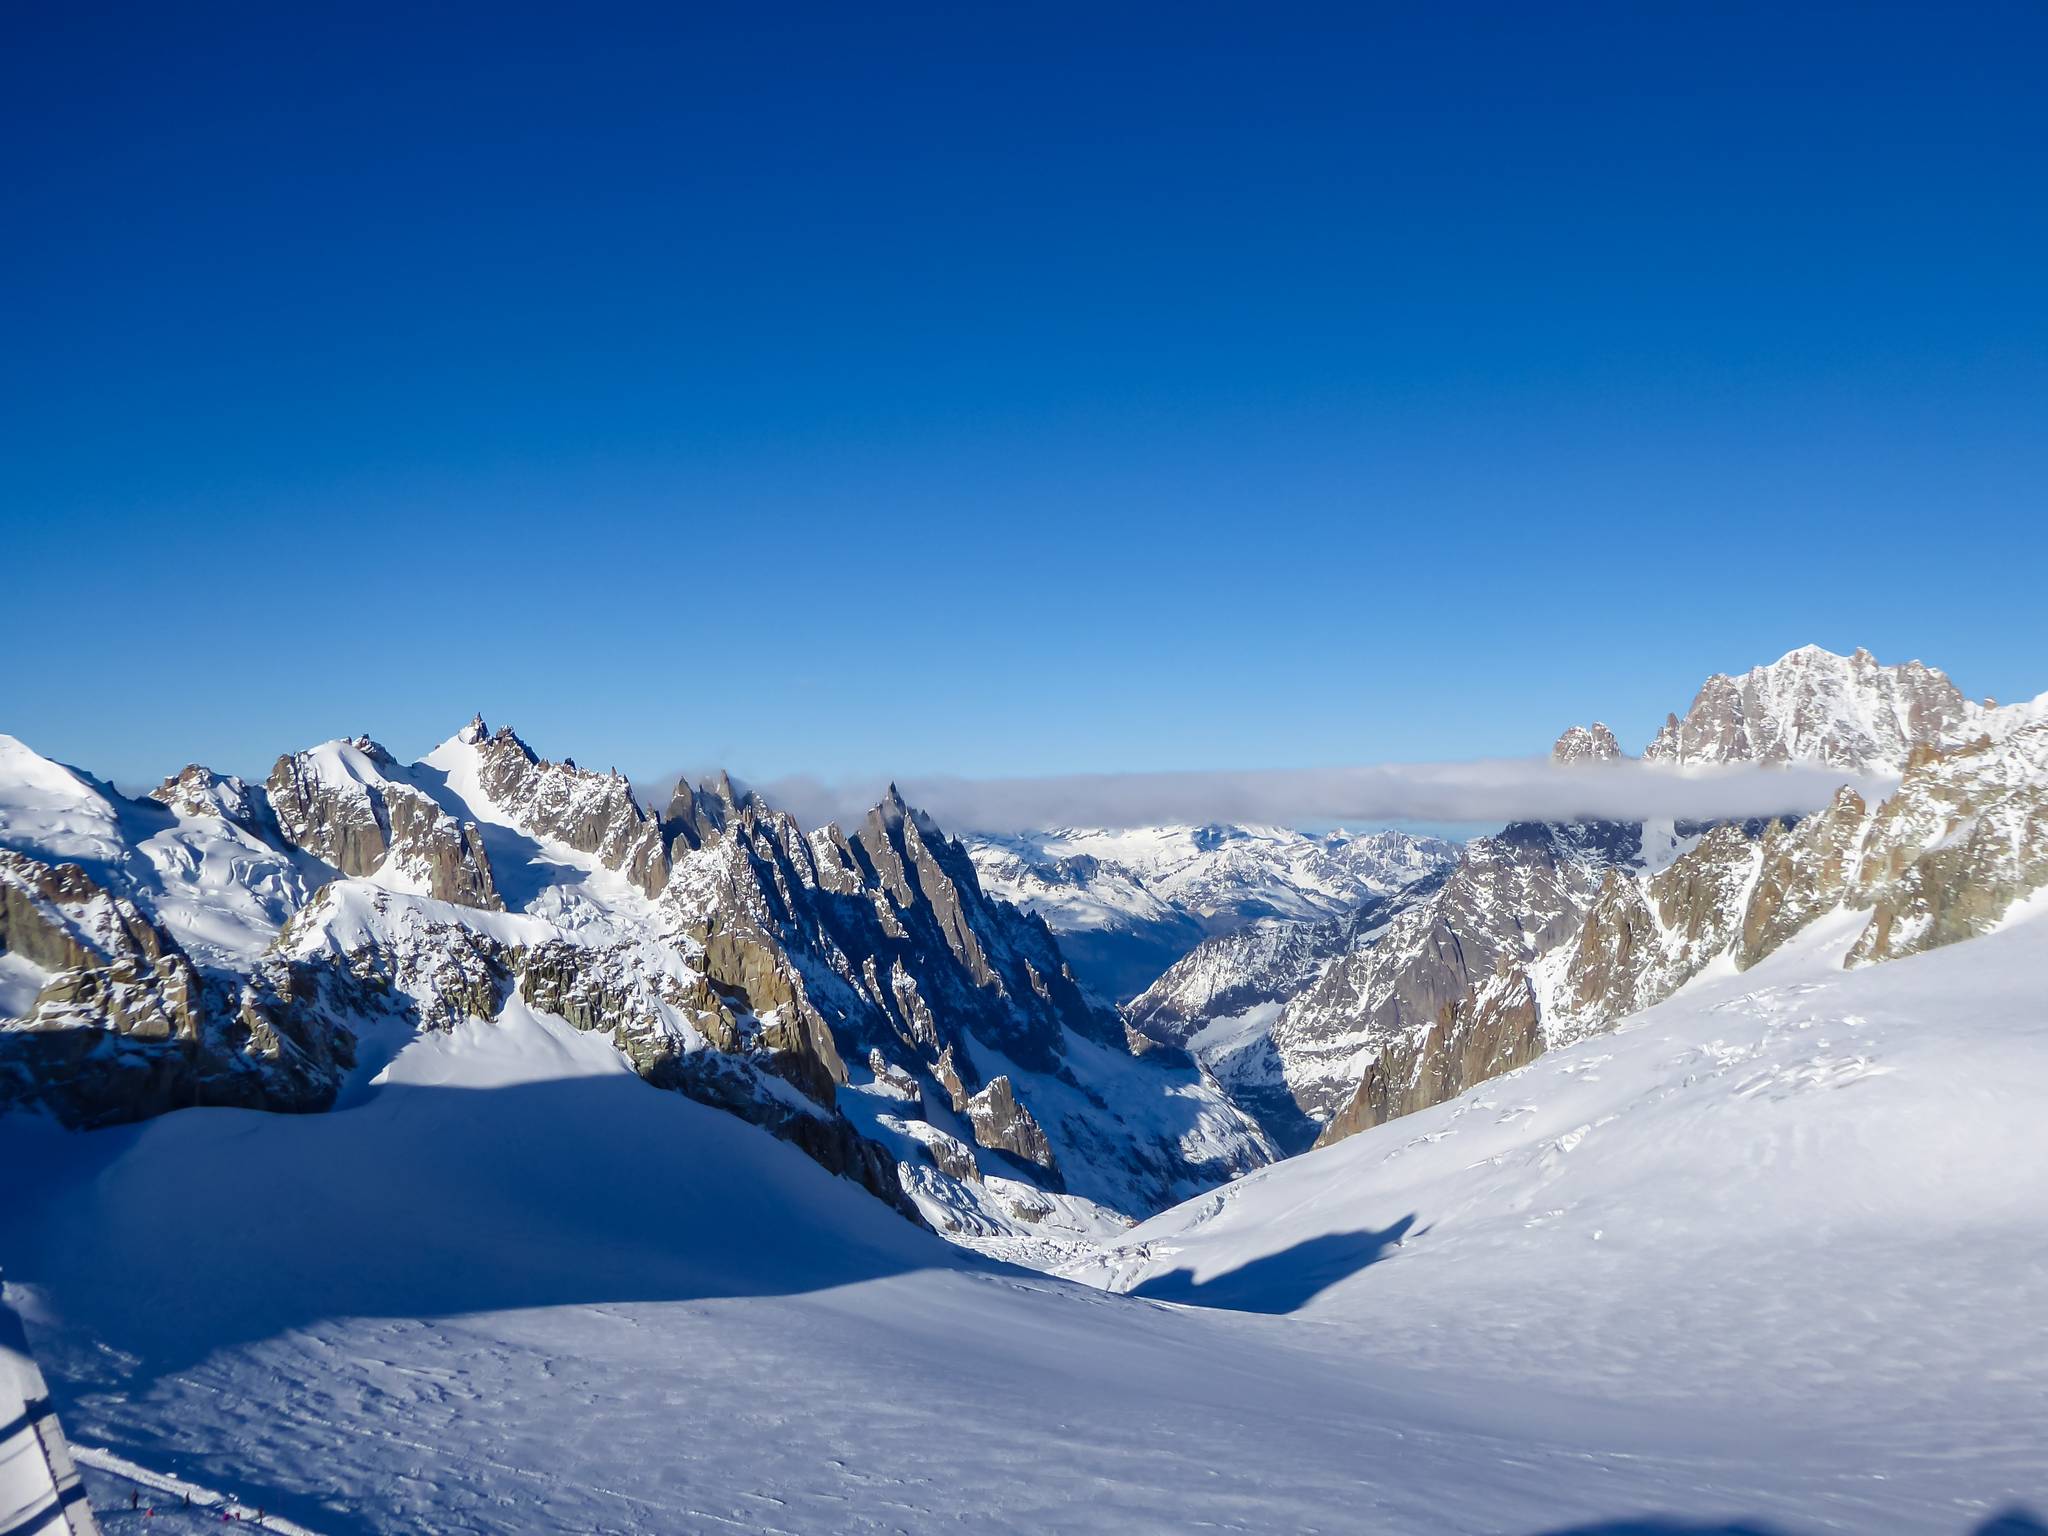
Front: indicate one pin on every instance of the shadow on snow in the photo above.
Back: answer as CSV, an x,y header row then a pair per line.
x,y
1284,1281
2016,1521
209,1228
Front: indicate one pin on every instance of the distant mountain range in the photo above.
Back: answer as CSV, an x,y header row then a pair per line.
x,y
854,992
1543,933
1128,903
936,1019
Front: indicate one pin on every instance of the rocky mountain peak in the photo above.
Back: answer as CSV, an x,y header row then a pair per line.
x,y
699,814
594,813
770,964
1812,705
1586,744
197,790
348,804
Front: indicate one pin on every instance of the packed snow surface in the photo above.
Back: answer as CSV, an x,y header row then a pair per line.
x,y
1774,1252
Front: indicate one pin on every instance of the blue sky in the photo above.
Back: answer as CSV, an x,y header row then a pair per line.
x,y
927,391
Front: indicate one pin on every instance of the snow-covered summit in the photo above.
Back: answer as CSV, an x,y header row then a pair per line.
x,y
1538,932
1593,743
1812,705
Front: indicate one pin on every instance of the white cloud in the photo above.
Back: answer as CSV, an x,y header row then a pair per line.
x,y
1496,790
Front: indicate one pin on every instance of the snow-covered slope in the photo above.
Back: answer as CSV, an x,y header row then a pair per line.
x,y
1128,903
1799,1197
1764,1260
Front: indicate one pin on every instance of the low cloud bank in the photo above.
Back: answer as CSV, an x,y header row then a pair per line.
x,y
1497,790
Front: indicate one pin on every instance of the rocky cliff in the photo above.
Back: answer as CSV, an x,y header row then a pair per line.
x,y
1388,1028
855,993
1574,945
1943,859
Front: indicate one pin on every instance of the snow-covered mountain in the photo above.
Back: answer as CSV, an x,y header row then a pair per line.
x,y
1509,898
1779,1202
1220,1001
1813,706
1475,980
1750,1257
1945,858
1766,1259
855,993
1129,903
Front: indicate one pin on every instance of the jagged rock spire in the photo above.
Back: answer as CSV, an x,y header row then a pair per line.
x,y
1586,744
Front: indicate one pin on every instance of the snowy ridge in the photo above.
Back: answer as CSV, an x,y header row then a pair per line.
x,y
1963,840
1812,705
275,945
1760,1257
1541,934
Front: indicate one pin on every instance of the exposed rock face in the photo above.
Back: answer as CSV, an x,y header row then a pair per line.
x,y
594,813
110,962
1586,744
1549,947
331,814
1003,1125
1965,837
198,791
616,991
34,922
1814,706
1493,1029
950,1155
698,816
1375,1012
125,1026
1643,937
886,938
893,1080
342,803
1943,859
1802,872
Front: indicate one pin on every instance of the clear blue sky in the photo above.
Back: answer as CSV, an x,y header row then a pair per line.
x,y
1079,387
